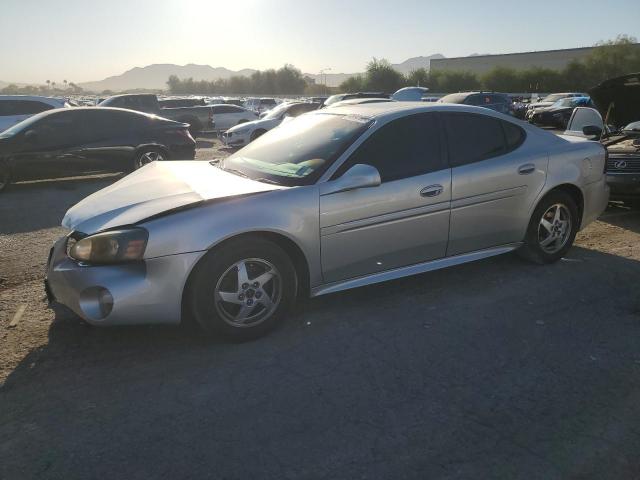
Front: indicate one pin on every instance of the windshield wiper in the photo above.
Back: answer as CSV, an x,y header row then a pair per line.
x,y
267,180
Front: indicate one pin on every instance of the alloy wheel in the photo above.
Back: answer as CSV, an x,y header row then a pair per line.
x,y
554,228
148,157
248,292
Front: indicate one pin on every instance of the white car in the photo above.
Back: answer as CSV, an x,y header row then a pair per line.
x,y
247,132
16,108
226,116
260,105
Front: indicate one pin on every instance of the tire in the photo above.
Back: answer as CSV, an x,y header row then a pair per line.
x,y
222,304
542,245
257,134
5,175
147,155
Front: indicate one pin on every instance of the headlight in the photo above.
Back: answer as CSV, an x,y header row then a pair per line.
x,y
115,246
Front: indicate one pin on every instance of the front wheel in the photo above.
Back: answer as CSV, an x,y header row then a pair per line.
x,y
552,229
242,290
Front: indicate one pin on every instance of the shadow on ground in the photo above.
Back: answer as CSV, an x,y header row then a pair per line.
x,y
497,369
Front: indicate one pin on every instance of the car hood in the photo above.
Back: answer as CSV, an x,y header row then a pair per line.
x,y
154,189
262,123
538,105
621,92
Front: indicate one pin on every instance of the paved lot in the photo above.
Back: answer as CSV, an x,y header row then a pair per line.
x,y
498,369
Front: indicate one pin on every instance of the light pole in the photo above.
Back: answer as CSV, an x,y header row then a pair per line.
x,y
323,74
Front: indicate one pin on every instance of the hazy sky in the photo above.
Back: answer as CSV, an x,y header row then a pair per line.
x,y
81,40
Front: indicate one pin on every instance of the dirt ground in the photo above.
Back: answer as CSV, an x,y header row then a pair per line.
x,y
497,369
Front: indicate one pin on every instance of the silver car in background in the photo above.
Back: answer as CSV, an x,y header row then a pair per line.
x,y
335,199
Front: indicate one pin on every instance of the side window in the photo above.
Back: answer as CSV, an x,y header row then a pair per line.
x,y
23,107
100,125
403,148
514,136
472,137
57,130
235,109
475,100
216,109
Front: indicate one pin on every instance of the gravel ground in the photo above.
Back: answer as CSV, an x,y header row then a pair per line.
x,y
497,369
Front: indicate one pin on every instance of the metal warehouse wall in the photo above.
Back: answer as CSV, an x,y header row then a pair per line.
x,y
555,59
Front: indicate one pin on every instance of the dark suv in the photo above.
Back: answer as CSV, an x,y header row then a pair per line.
x,y
499,102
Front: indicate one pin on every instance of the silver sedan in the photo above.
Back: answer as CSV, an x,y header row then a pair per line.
x,y
335,199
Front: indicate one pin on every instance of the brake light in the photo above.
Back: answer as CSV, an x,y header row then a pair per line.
x,y
183,132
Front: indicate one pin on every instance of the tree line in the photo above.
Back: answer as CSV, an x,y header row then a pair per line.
x,y
609,59
283,81
51,88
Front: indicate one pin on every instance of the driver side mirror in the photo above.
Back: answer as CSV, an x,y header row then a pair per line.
x,y
592,131
31,137
358,176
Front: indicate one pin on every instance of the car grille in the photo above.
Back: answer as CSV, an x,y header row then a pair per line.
x,y
623,164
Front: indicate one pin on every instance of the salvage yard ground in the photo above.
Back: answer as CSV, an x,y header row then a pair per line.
x,y
495,369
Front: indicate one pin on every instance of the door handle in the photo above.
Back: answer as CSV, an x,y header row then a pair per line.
x,y
526,169
431,191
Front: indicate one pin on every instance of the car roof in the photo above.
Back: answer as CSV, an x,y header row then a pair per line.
x,y
101,109
386,109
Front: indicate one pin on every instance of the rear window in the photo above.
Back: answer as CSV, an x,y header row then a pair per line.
x,y
22,107
472,138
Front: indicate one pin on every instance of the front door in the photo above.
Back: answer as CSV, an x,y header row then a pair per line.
x,y
403,221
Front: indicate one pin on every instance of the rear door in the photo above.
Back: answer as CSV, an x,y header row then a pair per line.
x,y
403,221
495,179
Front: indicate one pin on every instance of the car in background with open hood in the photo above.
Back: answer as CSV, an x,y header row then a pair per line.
x,y
615,122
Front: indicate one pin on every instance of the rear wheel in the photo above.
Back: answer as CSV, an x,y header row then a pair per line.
x,y
552,229
147,156
5,174
243,289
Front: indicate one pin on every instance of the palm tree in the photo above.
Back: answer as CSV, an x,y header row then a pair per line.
x,y
65,84
48,83
53,85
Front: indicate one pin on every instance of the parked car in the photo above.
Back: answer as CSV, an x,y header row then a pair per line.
x,y
558,114
499,102
550,100
198,117
180,102
329,201
348,96
617,100
234,101
358,101
259,105
66,142
16,108
226,116
247,132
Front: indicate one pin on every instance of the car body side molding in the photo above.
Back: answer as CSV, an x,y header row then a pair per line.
x,y
412,269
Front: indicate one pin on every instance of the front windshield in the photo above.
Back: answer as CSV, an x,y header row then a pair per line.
x,y
298,152
277,111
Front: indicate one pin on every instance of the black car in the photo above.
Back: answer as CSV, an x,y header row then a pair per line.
x,y
73,141
500,102
558,114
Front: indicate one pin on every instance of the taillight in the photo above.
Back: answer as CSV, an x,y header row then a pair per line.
x,y
183,132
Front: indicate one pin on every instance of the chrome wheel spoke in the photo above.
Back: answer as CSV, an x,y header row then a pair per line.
x,y
243,276
230,297
548,241
556,216
244,312
264,278
546,224
265,300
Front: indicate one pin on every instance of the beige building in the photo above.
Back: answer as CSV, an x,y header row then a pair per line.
x,y
554,59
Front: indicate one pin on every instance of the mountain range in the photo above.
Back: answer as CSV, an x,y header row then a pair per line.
x,y
155,76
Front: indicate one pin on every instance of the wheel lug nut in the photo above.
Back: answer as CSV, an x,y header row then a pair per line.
x,y
258,294
241,296
256,284
245,286
249,302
